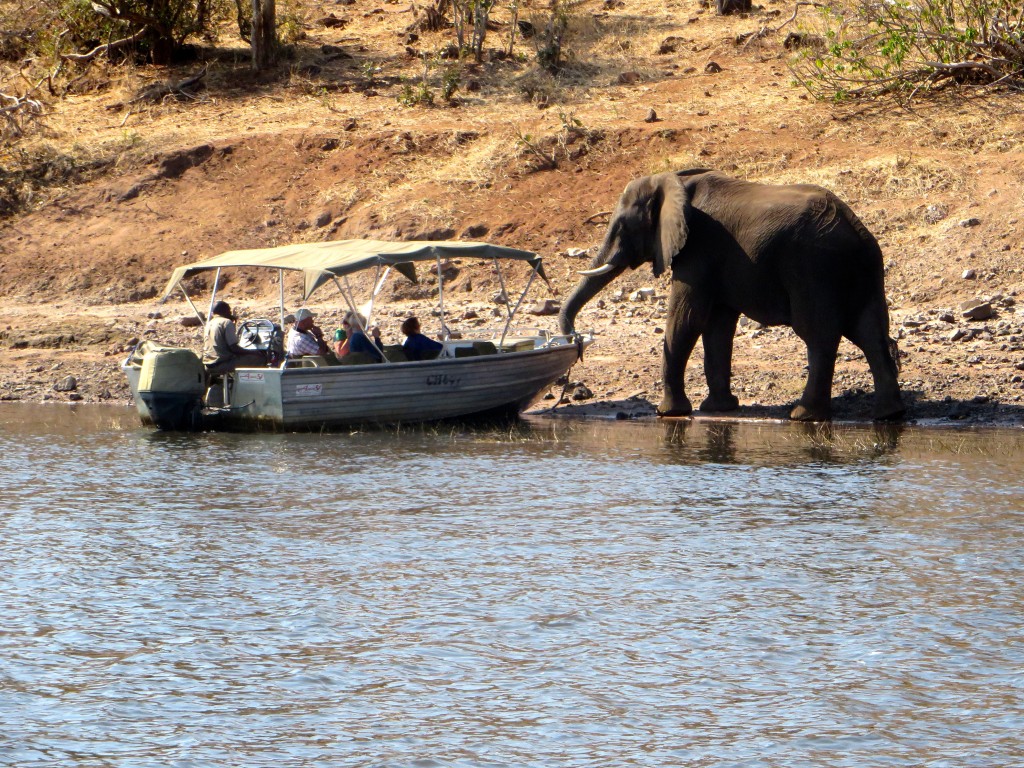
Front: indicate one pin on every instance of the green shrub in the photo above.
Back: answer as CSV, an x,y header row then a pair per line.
x,y
899,47
50,29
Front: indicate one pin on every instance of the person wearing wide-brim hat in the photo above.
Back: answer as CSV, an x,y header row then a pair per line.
x,y
305,338
221,352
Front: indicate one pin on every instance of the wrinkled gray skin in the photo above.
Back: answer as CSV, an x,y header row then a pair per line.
x,y
781,255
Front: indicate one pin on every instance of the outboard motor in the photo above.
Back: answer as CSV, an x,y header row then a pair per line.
x,y
171,385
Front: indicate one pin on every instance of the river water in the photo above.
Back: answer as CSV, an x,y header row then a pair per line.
x,y
556,594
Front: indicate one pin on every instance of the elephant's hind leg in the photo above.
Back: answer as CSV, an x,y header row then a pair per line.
x,y
873,339
718,337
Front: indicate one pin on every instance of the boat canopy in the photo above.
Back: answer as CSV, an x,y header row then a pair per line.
x,y
321,262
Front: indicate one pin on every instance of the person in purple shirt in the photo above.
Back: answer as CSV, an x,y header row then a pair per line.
x,y
417,346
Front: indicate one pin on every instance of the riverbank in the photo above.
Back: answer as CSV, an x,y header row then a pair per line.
x,y
955,370
517,157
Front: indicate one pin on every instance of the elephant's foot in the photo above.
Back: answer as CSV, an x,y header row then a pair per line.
x,y
713,404
675,407
806,413
889,411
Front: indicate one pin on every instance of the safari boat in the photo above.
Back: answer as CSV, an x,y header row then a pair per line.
x,y
498,373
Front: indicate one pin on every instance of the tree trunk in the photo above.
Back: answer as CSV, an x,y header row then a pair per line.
x,y
264,33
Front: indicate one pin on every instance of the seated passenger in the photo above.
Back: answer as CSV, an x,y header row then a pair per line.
x,y
356,339
221,352
304,338
417,346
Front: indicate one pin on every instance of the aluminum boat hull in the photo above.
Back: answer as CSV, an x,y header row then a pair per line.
x,y
386,393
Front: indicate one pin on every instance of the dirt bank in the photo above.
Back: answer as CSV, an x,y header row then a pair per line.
x,y
315,153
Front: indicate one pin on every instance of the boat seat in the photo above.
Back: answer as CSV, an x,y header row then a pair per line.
x,y
395,353
485,348
518,345
357,358
307,361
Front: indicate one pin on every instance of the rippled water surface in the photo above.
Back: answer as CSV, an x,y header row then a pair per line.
x,y
560,594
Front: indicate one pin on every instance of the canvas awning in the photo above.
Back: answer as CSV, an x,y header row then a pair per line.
x,y
321,262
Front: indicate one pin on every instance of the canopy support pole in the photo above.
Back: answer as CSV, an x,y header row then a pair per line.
x,y
512,312
501,282
280,289
213,296
189,300
445,333
346,293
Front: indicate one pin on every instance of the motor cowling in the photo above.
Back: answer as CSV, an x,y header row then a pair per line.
x,y
171,384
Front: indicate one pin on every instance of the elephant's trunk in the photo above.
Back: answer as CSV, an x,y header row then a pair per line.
x,y
587,288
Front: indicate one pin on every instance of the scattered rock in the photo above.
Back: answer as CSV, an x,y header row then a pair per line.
x,y
670,44
712,68
652,117
323,219
582,392
976,309
641,295
331,21
935,213
190,321
67,384
796,40
629,78
546,307
971,222
969,274
475,230
726,7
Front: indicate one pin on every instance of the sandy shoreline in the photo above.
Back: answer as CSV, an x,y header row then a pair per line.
x,y
956,371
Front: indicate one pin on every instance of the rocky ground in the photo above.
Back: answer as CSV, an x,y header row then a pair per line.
x,y
960,364
324,149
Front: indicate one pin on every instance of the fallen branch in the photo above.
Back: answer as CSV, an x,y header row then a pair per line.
x,y
15,110
185,89
81,58
766,30
951,69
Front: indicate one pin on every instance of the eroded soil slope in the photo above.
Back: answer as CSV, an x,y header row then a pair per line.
x,y
324,150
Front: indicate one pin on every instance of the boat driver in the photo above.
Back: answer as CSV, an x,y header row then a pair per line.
x,y
221,352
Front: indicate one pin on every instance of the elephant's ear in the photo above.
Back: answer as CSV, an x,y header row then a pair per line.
x,y
672,229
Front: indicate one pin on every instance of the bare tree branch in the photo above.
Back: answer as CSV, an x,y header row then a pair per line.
x,y
81,58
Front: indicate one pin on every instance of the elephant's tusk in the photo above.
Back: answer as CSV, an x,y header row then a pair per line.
x,y
602,270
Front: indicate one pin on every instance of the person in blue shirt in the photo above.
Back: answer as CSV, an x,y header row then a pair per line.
x,y
356,340
417,346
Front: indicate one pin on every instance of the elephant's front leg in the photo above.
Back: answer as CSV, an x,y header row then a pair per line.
x,y
686,321
718,336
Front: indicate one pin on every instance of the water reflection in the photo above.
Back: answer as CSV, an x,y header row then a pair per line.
x,y
558,593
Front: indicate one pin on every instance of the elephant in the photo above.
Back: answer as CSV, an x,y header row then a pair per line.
x,y
791,254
